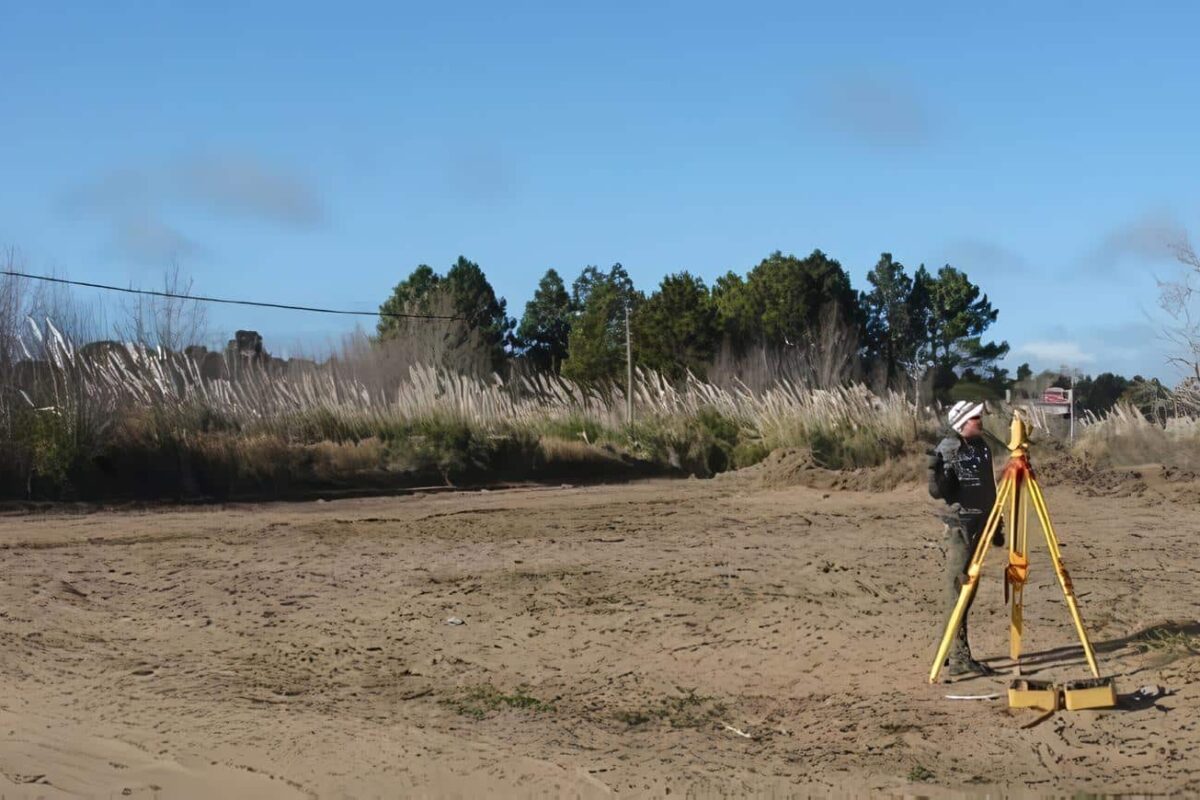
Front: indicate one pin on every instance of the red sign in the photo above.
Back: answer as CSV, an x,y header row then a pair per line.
x,y
1056,396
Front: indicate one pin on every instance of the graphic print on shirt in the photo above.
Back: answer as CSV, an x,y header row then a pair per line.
x,y
970,464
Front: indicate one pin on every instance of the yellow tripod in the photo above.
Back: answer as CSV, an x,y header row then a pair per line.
x,y
1018,489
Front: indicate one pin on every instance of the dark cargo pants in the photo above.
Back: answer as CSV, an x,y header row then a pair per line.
x,y
959,545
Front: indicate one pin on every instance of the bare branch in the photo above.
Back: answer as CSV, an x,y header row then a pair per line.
x,y
1178,298
172,322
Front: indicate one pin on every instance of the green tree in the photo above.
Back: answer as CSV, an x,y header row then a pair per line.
x,y
1101,393
783,301
789,295
1024,372
591,278
956,314
889,335
596,344
973,385
677,328
920,308
546,326
468,293
475,300
736,312
411,296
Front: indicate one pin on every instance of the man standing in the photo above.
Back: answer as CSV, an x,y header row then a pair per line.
x,y
960,473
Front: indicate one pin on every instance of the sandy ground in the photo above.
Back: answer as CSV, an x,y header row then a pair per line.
x,y
696,638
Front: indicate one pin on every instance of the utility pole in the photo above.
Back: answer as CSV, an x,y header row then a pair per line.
x,y
1072,404
628,369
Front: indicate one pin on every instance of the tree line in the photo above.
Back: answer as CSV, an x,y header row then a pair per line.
x,y
920,330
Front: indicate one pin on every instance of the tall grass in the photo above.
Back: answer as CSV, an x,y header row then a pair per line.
x,y
134,418
1125,437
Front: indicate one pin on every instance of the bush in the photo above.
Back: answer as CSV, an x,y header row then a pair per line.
x,y
577,427
50,446
701,444
852,449
747,454
446,446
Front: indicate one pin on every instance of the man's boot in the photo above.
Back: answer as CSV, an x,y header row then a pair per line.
x,y
965,665
960,661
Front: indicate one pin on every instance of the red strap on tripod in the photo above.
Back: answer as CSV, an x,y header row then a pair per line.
x,y
1017,571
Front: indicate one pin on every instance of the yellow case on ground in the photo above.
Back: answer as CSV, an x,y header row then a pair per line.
x,y
1091,693
1024,693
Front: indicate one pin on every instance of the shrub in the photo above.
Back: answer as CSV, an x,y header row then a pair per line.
x,y
749,453
50,444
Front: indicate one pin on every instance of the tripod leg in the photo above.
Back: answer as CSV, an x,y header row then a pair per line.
x,y
1018,559
1064,579
1016,555
1007,485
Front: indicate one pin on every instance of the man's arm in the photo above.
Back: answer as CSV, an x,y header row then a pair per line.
x,y
943,483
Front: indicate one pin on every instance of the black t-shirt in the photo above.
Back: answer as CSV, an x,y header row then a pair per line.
x,y
967,479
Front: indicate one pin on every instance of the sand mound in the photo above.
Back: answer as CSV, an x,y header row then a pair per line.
x,y
1053,463
1056,465
1172,483
1089,480
797,467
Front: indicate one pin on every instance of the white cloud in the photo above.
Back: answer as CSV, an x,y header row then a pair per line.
x,y
1056,353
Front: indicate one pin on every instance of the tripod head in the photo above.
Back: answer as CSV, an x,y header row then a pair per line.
x,y
1018,442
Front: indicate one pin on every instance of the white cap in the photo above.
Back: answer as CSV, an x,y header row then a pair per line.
x,y
962,411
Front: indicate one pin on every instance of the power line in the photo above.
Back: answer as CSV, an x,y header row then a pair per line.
x,y
226,300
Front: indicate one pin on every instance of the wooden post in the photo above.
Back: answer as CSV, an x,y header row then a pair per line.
x,y
628,369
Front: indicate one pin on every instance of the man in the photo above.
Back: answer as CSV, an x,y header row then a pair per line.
x,y
960,473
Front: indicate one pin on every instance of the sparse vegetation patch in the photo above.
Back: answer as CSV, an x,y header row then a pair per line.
x,y
685,710
477,702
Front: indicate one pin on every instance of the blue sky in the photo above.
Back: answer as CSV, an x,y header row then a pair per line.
x,y
317,153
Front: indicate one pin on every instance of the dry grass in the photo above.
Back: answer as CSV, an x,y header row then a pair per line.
x,y
150,412
1126,438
